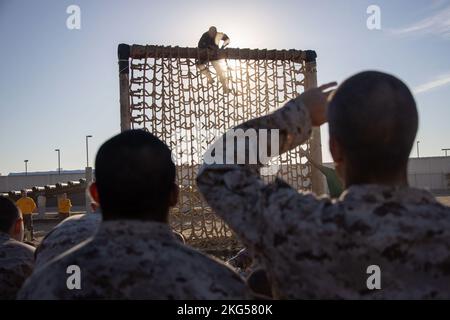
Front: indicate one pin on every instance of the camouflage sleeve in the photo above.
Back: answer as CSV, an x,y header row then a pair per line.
x,y
252,208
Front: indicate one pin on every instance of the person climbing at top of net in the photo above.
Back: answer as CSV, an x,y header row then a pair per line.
x,y
211,40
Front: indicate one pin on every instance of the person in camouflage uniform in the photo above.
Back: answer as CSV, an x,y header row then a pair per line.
x,y
314,247
134,254
16,257
211,40
68,233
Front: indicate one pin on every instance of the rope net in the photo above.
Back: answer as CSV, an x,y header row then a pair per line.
x,y
172,99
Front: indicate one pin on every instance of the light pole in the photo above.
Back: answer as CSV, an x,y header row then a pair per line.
x,y
445,150
59,161
26,167
418,155
88,175
87,150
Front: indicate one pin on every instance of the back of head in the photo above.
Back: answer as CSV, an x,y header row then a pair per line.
x,y
373,118
212,30
135,176
9,214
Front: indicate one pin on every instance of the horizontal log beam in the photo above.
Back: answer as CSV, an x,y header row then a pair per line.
x,y
150,51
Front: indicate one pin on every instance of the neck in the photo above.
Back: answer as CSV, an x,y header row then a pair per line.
x,y
11,235
395,180
152,216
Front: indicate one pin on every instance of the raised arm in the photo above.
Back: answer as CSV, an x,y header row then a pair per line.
x,y
233,187
226,41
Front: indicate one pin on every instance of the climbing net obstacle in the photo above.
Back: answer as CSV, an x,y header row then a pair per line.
x,y
162,91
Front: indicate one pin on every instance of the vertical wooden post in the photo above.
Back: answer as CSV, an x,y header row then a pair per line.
x,y
123,52
317,179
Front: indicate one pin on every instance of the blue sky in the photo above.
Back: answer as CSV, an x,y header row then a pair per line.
x,y
58,85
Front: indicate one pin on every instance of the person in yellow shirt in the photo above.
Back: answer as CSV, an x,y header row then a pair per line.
x,y
27,206
64,205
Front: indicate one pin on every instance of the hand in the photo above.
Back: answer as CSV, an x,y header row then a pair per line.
x,y
316,101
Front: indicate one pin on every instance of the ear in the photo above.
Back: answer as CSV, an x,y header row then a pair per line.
x,y
93,191
173,197
336,151
18,226
339,159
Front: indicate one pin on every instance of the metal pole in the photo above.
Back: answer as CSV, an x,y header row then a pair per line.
x,y
59,161
26,167
418,155
89,179
123,52
87,150
317,179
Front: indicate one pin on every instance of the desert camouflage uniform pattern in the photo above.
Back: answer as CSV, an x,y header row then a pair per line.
x,y
65,235
135,260
16,264
313,247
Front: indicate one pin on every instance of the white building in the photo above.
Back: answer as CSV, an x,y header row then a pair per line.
x,y
431,173
18,181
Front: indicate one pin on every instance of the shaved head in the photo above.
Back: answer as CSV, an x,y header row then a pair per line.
x,y
212,30
135,176
373,118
